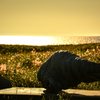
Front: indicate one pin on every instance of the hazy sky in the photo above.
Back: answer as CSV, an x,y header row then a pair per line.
x,y
49,17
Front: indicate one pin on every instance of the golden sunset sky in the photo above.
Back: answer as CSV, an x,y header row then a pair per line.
x,y
49,17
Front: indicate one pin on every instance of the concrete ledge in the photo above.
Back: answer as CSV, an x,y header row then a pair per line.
x,y
20,93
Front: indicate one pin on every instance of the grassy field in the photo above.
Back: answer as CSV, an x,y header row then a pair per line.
x,y
20,64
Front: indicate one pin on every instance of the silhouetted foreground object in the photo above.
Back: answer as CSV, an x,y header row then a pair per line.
x,y
64,69
4,83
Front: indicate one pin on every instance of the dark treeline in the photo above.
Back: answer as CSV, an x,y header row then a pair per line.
x,y
27,48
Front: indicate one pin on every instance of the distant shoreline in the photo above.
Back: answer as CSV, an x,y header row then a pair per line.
x,y
27,48
48,44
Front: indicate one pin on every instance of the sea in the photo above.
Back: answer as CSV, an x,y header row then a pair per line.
x,y
48,40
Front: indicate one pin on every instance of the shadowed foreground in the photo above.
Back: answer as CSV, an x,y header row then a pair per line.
x,y
64,70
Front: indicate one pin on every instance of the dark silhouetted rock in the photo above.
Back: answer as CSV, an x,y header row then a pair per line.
x,y
64,70
4,83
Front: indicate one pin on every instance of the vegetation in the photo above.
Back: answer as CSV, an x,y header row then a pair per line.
x,y
20,64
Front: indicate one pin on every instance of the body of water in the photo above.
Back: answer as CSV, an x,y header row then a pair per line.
x,y
43,40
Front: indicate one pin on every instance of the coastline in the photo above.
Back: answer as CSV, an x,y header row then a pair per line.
x,y
4,48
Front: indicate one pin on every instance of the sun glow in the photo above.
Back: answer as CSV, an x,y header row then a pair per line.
x,y
26,40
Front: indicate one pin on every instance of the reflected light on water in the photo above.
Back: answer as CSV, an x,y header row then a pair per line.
x,y
43,40
26,40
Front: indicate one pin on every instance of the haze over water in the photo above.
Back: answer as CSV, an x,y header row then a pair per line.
x,y
44,40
